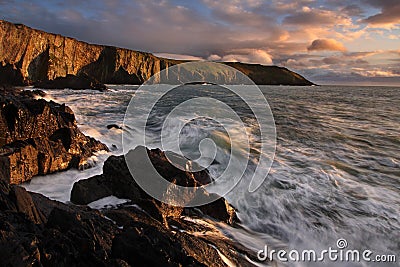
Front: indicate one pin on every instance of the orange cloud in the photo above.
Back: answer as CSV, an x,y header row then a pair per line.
x,y
327,45
250,56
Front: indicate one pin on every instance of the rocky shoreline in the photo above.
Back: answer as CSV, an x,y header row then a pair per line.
x,y
38,137
37,231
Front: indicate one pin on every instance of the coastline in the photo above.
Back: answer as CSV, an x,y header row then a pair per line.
x,y
54,61
107,236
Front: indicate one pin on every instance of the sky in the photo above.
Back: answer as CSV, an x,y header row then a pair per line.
x,y
327,41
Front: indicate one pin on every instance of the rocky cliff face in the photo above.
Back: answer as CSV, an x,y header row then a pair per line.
x,y
39,137
30,56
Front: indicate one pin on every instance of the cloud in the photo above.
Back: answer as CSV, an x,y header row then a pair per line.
x,y
236,13
348,77
379,73
178,56
326,45
389,16
352,10
256,56
313,17
214,57
282,32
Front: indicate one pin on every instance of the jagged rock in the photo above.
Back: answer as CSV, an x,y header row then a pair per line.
x,y
37,231
39,137
185,242
116,180
28,56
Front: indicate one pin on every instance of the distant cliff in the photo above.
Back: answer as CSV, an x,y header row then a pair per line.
x,y
29,56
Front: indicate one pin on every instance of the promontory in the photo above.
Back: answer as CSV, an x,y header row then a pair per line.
x,y
34,57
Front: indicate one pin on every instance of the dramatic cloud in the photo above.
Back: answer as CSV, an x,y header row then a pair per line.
x,y
326,44
313,37
389,15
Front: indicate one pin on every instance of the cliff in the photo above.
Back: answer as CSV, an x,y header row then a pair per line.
x,y
39,137
30,56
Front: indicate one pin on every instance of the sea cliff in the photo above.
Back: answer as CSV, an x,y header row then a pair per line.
x,y
29,56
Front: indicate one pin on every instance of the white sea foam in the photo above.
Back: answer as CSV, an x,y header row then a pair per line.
x,y
335,174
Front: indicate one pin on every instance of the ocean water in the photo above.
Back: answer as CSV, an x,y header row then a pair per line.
x,y
336,172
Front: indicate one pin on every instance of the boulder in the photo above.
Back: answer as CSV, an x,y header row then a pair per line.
x,y
114,126
117,180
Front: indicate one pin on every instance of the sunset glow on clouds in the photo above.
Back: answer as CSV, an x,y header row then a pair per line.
x,y
329,41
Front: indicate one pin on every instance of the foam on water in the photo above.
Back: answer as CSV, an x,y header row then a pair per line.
x,y
336,172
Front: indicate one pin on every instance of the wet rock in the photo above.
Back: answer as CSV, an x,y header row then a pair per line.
x,y
184,242
115,126
37,231
117,180
39,137
92,189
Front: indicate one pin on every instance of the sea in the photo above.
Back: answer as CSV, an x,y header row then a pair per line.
x,y
335,174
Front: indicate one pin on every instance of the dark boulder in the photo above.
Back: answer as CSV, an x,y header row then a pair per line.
x,y
115,126
117,180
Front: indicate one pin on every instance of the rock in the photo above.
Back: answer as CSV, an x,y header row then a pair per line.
x,y
71,82
33,93
39,137
185,243
135,245
31,56
110,126
116,180
37,231
92,189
